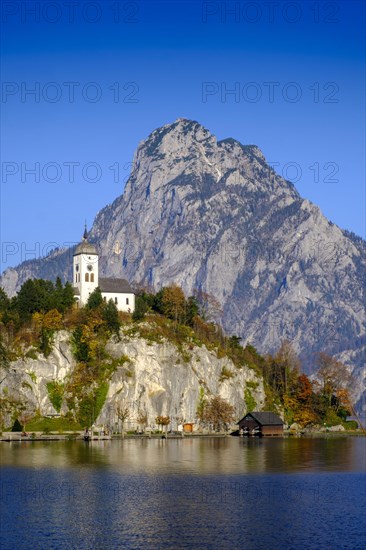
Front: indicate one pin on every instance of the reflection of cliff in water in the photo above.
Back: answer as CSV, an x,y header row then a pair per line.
x,y
313,454
202,456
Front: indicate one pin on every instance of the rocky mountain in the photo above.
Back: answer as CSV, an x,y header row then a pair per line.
x,y
154,379
214,216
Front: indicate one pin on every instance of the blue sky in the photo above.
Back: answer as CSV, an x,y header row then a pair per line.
x,y
104,80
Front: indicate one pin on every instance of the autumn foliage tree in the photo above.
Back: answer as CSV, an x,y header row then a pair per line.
x,y
209,306
163,421
123,413
218,413
142,419
173,303
333,376
281,371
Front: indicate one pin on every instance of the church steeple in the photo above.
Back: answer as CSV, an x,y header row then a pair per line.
x,y
85,272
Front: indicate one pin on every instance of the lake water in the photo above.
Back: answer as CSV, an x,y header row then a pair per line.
x,y
290,493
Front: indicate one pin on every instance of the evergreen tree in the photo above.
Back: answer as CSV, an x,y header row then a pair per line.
x,y
34,295
17,427
158,302
68,298
57,297
234,341
110,316
141,308
4,301
80,345
192,310
95,299
63,296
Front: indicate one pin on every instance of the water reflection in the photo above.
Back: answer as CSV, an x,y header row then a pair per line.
x,y
206,456
193,493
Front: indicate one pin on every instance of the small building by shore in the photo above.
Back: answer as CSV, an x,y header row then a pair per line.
x,y
188,427
263,423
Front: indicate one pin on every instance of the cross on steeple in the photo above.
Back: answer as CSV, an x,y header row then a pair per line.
x,y
85,236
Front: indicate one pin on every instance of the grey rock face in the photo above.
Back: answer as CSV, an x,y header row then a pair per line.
x,y
214,216
155,381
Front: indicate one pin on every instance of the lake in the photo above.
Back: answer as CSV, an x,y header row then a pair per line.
x,y
201,493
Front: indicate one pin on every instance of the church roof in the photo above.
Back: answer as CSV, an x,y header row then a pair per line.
x,y
85,248
114,285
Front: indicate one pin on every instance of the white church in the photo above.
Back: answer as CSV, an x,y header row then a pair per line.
x,y
86,279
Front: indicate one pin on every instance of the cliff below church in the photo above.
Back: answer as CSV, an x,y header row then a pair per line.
x,y
150,377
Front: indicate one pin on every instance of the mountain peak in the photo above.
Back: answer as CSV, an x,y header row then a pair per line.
x,y
214,216
187,154
182,131
185,133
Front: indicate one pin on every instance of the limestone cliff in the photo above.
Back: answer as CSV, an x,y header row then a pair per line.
x,y
156,378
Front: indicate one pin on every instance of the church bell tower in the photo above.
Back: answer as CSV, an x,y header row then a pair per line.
x,y
85,269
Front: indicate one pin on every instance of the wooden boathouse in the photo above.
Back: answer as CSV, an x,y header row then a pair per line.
x,y
261,424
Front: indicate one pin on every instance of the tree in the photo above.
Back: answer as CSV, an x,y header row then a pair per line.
x,y
4,355
304,389
68,296
95,299
290,363
142,419
219,413
201,405
250,402
163,421
342,403
52,320
4,301
282,370
306,416
34,295
39,295
209,306
234,342
64,297
141,308
80,345
25,417
173,303
17,427
192,310
333,376
110,316
123,413
58,295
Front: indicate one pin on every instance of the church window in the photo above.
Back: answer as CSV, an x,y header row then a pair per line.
x,y
116,300
86,277
92,278
127,301
76,278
